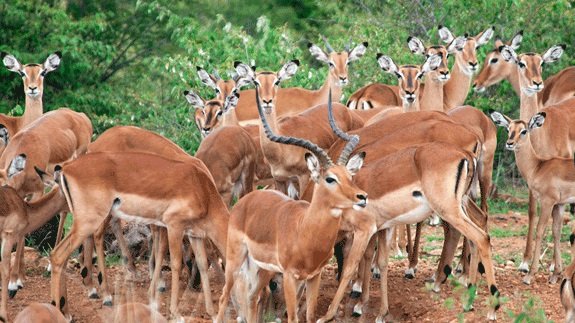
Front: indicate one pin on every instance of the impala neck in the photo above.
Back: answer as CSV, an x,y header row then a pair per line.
x,y
33,111
432,96
411,107
318,228
456,89
527,160
217,227
45,208
331,82
230,118
513,78
529,105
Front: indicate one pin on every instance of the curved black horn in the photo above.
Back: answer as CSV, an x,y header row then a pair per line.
x,y
315,149
327,45
352,140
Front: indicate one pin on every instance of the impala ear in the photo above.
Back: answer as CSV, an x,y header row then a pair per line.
x,y
516,40
457,44
53,61
357,52
11,62
554,53
388,65
508,54
194,99
17,165
4,135
206,78
354,163
484,37
432,63
57,172
445,35
318,53
415,45
245,71
231,100
499,119
45,177
313,166
288,70
537,120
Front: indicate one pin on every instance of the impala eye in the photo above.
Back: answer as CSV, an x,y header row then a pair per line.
x,y
22,73
330,180
523,132
43,73
331,64
521,65
493,60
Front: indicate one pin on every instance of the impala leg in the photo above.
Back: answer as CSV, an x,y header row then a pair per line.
x,y
382,262
546,210
414,255
290,295
357,286
127,258
202,261
157,284
409,247
88,268
153,251
60,255
480,239
447,253
528,254
102,277
312,291
175,236
6,251
60,232
402,242
365,277
262,279
235,258
557,224
16,275
360,242
485,178
473,264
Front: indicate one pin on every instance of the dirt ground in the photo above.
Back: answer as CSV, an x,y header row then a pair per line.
x,y
410,300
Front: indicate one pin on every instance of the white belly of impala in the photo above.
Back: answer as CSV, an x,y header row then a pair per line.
x,y
134,218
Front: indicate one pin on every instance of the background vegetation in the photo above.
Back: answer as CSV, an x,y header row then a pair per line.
x,y
128,62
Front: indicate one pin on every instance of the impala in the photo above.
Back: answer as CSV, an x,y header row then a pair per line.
x,y
149,189
56,137
550,181
431,96
456,89
288,242
295,100
567,292
132,313
39,312
33,78
495,68
530,81
417,183
17,219
557,87
287,162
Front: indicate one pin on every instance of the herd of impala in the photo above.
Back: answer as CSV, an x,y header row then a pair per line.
x,y
348,179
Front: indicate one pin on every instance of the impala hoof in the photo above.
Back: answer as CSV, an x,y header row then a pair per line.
x,y
93,294
354,294
527,280
19,283
107,301
410,273
554,279
524,267
162,289
376,275
12,293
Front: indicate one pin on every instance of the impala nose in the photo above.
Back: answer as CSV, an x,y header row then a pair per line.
x,y
473,66
362,201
